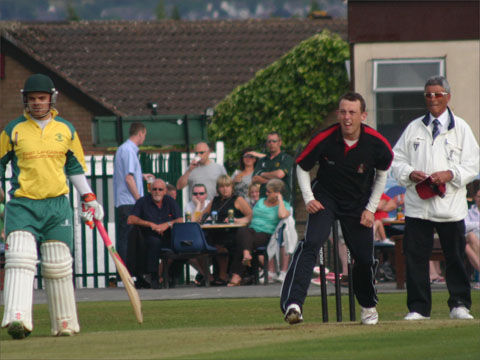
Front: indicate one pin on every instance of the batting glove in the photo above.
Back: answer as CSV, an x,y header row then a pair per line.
x,y
91,209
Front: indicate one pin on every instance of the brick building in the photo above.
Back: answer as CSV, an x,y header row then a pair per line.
x,y
118,67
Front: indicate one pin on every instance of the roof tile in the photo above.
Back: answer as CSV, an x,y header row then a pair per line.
x,y
185,67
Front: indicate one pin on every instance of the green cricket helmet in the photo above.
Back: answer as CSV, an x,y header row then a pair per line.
x,y
39,83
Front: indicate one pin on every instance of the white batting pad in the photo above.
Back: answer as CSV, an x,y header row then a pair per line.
x,y
57,272
20,265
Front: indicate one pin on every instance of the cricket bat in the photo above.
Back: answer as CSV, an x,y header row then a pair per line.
x,y
122,271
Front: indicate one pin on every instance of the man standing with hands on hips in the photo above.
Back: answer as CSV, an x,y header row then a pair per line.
x,y
353,161
435,158
276,165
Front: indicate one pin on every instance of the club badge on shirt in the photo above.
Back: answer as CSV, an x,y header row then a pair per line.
x,y
361,169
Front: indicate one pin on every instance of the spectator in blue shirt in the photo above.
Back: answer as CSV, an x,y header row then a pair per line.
x,y
127,183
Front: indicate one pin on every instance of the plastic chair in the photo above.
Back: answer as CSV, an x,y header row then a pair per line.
x,y
188,241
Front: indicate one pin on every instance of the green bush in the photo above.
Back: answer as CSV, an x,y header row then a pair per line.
x,y
293,96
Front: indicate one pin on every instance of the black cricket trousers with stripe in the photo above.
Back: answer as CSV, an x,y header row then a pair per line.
x,y
359,240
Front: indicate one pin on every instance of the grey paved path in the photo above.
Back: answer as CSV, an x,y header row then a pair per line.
x,y
193,292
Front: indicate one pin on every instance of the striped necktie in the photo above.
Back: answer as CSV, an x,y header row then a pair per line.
x,y
435,130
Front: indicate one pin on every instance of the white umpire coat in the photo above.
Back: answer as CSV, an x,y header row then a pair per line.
x,y
455,149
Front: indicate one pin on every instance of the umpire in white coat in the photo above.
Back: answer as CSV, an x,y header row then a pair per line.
x,y
439,147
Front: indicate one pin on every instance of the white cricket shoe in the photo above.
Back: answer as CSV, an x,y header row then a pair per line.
x,y
369,316
415,316
281,276
460,312
272,277
66,332
387,241
293,315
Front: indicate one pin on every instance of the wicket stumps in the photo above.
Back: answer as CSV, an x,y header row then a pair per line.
x,y
338,292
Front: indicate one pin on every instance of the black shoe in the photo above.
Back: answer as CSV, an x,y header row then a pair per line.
x,y
199,280
219,282
155,284
141,283
344,281
154,281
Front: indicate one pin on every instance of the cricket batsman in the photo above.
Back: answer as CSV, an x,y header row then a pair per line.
x,y
44,150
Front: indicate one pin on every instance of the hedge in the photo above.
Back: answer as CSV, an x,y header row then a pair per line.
x,y
293,96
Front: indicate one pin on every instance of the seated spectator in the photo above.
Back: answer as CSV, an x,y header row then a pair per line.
x,y
242,177
253,194
198,203
385,205
224,239
195,207
472,228
155,214
267,213
172,191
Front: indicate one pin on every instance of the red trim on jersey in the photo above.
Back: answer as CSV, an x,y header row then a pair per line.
x,y
373,132
315,141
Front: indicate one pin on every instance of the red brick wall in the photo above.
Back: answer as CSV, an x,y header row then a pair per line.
x,y
69,109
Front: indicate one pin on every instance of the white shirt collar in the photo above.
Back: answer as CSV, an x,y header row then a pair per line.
x,y
444,119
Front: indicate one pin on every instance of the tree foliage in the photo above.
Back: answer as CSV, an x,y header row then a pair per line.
x,y
175,13
314,6
71,12
160,12
293,96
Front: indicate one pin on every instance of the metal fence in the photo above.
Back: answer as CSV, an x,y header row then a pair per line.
x,y
92,264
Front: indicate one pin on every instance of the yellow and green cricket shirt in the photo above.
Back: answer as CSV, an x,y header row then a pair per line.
x,y
41,158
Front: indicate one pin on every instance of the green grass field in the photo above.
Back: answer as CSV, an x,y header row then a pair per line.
x,y
249,329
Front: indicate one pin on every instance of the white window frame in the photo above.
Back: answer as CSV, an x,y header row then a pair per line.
x,y
376,63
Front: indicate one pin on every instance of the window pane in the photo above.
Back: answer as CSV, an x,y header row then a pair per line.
x,y
396,110
405,75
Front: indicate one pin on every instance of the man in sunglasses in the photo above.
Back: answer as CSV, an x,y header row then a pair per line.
x,y
435,158
202,170
155,215
276,165
199,201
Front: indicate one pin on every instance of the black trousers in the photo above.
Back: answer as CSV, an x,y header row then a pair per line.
x,y
359,240
247,239
417,247
137,253
154,244
122,229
